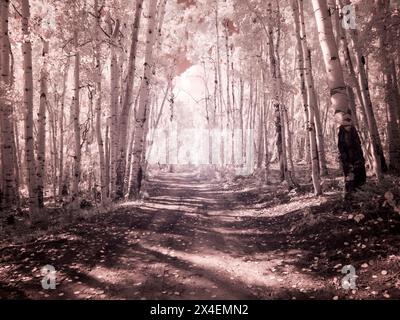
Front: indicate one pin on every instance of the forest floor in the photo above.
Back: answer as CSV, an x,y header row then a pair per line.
x,y
190,238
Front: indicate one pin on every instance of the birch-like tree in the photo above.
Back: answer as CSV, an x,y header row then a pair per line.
x,y
8,188
127,104
349,145
143,103
30,160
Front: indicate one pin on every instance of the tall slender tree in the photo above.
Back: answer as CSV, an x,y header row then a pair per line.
x,y
100,141
75,112
390,87
41,140
144,104
349,144
8,190
28,104
127,103
311,101
114,94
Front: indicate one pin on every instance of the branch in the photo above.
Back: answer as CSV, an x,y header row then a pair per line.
x,y
101,28
16,10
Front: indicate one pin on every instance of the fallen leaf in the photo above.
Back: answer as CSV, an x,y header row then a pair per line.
x,y
359,217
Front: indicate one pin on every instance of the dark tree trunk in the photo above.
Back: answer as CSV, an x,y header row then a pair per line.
x,y
351,157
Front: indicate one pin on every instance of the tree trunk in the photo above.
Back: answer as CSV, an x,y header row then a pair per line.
x,y
130,150
279,125
396,89
390,86
144,105
260,147
241,105
312,106
61,179
28,104
289,135
266,145
127,103
228,76
17,165
114,95
53,143
100,143
41,140
107,159
392,127
301,67
359,77
318,126
311,98
8,181
279,142
349,145
76,125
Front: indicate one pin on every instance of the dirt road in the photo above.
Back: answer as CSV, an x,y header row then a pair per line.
x,y
191,239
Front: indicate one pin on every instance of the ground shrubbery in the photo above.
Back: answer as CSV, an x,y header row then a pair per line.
x,y
376,199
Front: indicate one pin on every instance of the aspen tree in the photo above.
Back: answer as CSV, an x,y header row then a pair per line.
x,y
349,144
127,103
8,182
76,125
28,104
41,140
143,105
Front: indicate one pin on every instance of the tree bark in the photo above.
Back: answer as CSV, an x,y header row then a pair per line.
x,y
61,180
276,89
311,100
100,143
390,87
41,140
8,182
360,79
318,126
301,67
349,145
114,95
289,135
144,105
76,125
28,104
127,104
53,143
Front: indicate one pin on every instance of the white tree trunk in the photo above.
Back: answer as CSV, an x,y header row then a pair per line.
x,y
41,140
349,145
100,143
318,125
127,103
52,140
144,105
289,138
61,180
76,125
312,105
115,90
310,102
28,104
362,87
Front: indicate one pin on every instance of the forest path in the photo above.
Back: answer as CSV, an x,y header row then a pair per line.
x,y
189,239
